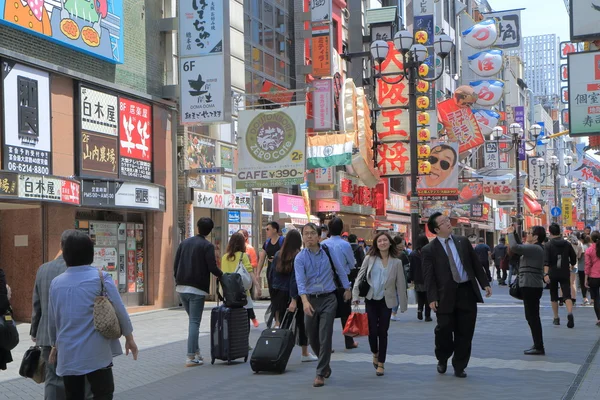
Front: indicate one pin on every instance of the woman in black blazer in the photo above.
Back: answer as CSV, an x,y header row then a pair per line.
x,y
416,276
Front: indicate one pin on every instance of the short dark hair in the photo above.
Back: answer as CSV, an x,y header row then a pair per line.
x,y
312,226
431,222
502,240
540,232
554,229
441,147
78,248
336,226
422,241
205,226
274,225
352,238
481,240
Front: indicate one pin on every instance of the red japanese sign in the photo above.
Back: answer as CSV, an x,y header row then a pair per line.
x,y
461,125
393,158
378,198
393,126
69,192
135,130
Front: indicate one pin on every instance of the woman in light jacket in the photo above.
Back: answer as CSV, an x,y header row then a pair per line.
x,y
385,275
79,350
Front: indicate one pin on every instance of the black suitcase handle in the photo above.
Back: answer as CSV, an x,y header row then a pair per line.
x,y
284,320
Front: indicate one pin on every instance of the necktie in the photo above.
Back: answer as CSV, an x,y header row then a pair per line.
x,y
455,274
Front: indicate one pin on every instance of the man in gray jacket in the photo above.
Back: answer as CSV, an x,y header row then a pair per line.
x,y
54,388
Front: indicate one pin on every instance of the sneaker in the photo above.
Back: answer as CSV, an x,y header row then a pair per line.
x,y
395,318
586,302
309,358
571,322
556,321
255,323
193,362
199,356
250,348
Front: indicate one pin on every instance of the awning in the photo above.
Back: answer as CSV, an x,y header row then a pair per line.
x,y
396,218
296,219
482,225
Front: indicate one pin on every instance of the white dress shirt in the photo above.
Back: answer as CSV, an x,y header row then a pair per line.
x,y
459,265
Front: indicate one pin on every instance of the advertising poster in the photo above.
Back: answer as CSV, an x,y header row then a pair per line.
x,y
105,259
227,158
135,140
584,93
201,152
460,123
442,182
27,136
470,191
271,148
94,28
200,27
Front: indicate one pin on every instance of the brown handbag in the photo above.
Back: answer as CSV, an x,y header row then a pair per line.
x,y
105,317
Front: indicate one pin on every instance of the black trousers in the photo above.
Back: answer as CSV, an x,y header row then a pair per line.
x,y
500,271
595,294
488,271
582,283
422,302
101,383
454,330
379,316
531,303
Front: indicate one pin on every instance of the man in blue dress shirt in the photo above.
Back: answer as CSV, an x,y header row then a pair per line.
x,y
342,254
317,286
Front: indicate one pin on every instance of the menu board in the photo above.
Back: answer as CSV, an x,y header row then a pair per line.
x,y
105,259
104,234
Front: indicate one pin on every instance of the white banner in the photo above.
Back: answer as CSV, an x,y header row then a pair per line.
x,y
99,112
320,10
584,19
492,157
271,148
131,194
200,27
208,200
535,177
203,90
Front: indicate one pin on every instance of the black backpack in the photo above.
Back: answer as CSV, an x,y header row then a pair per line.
x,y
234,295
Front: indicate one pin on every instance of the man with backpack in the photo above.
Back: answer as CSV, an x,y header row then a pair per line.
x,y
559,260
270,247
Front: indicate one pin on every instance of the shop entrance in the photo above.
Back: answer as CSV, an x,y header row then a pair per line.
x,y
119,249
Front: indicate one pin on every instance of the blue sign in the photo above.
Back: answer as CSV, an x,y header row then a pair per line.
x,y
542,133
92,27
234,217
556,211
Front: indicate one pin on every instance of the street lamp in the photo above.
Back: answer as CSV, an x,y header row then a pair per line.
x,y
413,56
518,141
555,171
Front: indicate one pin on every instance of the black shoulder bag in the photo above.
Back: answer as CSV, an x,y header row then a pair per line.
x,y
339,289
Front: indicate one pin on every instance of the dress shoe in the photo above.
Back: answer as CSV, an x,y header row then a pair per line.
x,y
428,319
319,381
460,374
354,346
327,373
380,370
442,366
535,352
420,315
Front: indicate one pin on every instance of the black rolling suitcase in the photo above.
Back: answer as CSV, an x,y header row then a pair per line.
x,y
274,347
229,333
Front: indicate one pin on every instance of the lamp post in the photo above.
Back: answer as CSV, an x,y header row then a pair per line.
x,y
518,141
555,172
413,55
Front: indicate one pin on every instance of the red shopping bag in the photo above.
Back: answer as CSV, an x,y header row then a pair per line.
x,y
357,325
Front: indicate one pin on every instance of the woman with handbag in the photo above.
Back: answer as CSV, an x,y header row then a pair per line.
x,y
530,281
592,273
236,260
383,274
285,289
416,275
85,318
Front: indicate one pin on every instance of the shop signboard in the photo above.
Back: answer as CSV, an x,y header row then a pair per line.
x,y
9,184
234,216
584,19
442,182
322,104
584,93
325,176
99,111
320,10
271,148
289,204
509,29
200,27
123,195
207,200
94,28
135,138
39,187
200,152
27,134
238,201
99,155
327,205
321,54
226,157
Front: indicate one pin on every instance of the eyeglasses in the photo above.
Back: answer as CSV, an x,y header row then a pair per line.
x,y
443,163
311,233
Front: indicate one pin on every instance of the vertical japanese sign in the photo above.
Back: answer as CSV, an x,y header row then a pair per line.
x,y
322,105
27,136
135,140
321,54
584,96
204,66
98,123
520,119
535,177
509,29
491,155
567,211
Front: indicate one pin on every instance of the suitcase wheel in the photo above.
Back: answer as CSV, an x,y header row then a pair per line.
x,y
246,359
228,362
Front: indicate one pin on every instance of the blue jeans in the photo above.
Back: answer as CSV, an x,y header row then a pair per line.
x,y
511,268
395,309
194,307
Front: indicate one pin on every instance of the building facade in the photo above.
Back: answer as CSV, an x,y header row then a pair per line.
x,y
87,143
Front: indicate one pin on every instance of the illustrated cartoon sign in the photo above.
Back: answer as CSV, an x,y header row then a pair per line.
x,y
135,136
90,26
459,121
442,181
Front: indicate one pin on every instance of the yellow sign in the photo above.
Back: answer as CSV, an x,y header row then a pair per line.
x,y
567,211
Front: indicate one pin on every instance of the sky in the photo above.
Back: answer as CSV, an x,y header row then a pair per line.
x,y
540,17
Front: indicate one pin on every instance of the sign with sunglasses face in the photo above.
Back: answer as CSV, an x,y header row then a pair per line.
x,y
442,182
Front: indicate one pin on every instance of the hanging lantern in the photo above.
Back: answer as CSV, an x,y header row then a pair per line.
x,y
421,37
423,69
424,167
422,86
424,135
423,102
423,118
424,151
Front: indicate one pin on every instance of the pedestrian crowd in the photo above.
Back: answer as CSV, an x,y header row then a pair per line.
x,y
314,276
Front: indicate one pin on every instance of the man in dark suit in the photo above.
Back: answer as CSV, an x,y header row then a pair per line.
x,y
451,271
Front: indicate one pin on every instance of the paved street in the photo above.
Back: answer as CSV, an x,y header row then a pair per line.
x,y
498,368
